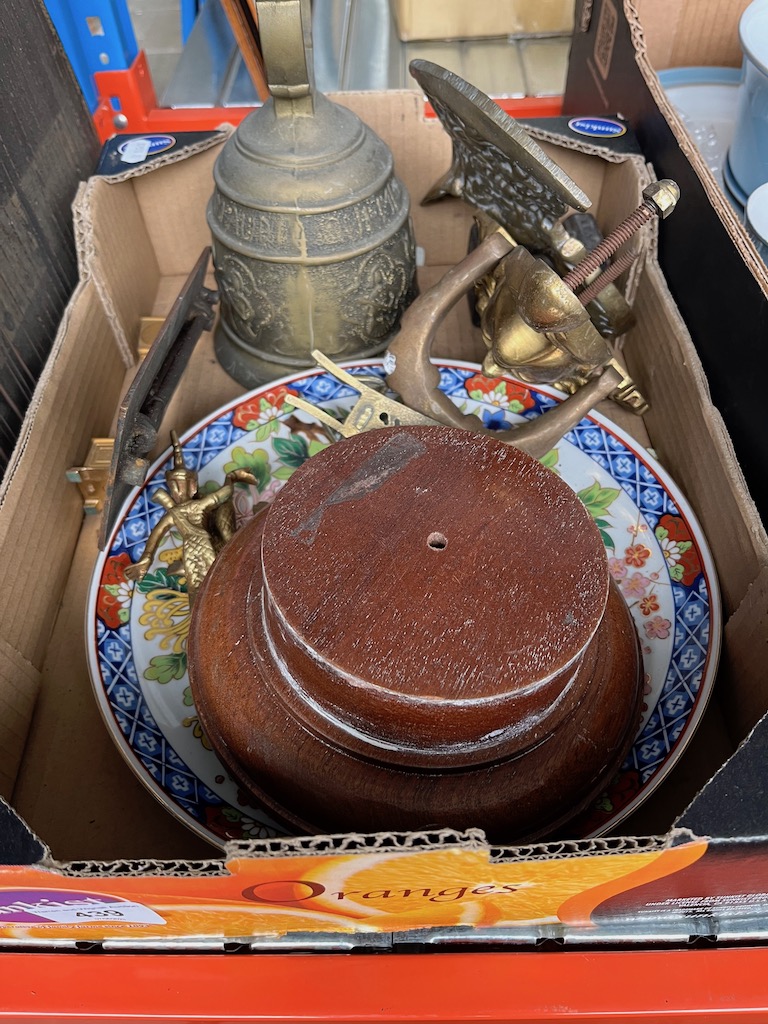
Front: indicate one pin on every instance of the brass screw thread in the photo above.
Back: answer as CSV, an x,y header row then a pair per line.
x,y
622,262
609,245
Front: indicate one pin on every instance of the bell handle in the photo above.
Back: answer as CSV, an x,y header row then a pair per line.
x,y
285,33
412,375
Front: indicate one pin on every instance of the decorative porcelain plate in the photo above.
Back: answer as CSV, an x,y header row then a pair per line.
x,y
136,633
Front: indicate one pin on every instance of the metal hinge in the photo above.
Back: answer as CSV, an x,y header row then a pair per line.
x,y
91,477
164,346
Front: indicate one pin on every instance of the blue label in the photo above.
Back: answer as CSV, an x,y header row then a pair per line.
x,y
150,145
597,127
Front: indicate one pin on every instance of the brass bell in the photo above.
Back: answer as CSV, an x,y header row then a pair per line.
x,y
313,242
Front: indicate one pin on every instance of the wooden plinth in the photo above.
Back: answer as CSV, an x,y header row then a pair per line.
x,y
421,631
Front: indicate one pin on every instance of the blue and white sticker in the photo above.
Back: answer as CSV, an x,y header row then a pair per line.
x,y
597,127
133,151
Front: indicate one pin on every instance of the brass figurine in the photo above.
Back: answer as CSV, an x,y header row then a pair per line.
x,y
206,522
537,330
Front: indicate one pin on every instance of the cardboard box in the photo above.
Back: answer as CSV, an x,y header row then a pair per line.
x,y
453,19
716,277
119,853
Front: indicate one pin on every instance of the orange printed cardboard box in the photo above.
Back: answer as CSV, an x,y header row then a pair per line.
x,y
114,867
369,892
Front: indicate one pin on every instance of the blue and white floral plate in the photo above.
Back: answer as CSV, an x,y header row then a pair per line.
x,y
136,633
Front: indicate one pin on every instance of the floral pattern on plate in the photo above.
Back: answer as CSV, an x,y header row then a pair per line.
x,y
137,633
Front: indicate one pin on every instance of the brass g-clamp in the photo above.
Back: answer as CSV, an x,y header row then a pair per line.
x,y
532,321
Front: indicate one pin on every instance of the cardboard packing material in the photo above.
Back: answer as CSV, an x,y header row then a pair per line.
x,y
453,19
716,277
138,237
718,280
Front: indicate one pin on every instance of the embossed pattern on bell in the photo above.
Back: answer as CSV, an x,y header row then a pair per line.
x,y
313,242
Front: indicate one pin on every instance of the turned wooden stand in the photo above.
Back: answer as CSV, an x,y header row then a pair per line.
x,y
420,631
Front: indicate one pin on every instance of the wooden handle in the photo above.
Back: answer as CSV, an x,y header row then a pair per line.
x,y
245,27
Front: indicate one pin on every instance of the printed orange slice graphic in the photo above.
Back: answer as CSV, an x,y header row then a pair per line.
x,y
461,887
379,891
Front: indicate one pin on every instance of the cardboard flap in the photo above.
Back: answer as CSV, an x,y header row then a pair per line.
x,y
440,228
40,511
734,803
373,885
174,219
125,283
19,685
746,647
124,235
690,32
713,271
682,423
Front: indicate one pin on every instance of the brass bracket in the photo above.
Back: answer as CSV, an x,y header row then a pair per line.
x,y
149,328
91,478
